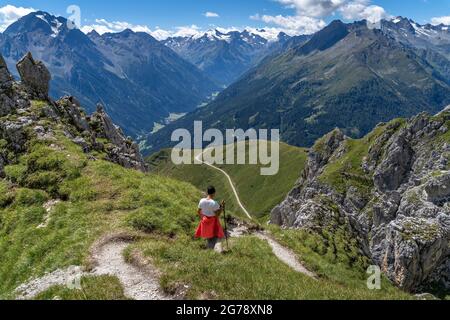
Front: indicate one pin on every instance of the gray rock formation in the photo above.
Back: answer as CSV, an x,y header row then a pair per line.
x,y
71,109
396,200
6,82
35,76
6,79
123,150
25,104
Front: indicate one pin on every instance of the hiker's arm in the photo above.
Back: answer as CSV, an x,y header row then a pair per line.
x,y
219,212
199,212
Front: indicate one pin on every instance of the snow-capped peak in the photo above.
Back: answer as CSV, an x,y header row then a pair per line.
x,y
270,34
249,35
55,23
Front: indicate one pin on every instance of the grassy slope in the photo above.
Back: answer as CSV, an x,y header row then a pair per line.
x,y
99,197
260,194
334,258
251,271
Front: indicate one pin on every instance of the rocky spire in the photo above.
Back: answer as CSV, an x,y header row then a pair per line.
x,y
125,152
6,83
35,76
6,79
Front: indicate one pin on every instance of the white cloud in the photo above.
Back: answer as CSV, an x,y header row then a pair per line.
x,y
10,14
314,8
441,20
104,26
310,13
293,24
161,34
187,31
210,14
362,9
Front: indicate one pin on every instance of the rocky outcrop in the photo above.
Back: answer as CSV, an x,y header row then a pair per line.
x,y
123,150
70,109
393,189
18,109
6,79
6,82
35,76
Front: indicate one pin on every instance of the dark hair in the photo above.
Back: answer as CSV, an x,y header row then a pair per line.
x,y
211,190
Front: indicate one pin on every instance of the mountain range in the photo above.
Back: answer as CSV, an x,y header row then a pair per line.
x,y
352,76
138,79
78,205
225,56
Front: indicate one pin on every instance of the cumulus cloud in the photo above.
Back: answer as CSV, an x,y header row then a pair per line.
x,y
103,26
310,13
293,24
186,31
210,14
362,9
10,14
314,8
441,20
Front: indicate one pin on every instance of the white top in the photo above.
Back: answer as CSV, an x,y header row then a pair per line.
x,y
209,207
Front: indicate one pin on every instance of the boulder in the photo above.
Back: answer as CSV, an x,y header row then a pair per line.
x,y
82,143
35,76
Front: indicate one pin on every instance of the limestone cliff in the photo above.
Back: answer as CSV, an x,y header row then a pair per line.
x,y
390,189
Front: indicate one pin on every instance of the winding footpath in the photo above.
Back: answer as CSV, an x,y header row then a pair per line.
x,y
200,159
139,283
143,283
282,253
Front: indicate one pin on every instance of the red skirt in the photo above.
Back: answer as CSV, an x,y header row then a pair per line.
x,y
210,228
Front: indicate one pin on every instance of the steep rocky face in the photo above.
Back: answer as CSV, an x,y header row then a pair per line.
x,y
391,189
34,75
5,76
123,150
6,83
26,112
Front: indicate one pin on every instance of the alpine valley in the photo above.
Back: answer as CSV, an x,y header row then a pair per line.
x,y
93,208
350,76
138,79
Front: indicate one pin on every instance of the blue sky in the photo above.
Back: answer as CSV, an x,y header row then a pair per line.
x,y
296,16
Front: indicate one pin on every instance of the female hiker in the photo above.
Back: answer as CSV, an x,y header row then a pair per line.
x,y
209,211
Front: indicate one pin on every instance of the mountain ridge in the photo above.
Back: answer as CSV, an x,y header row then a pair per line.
x,y
348,76
79,67
226,56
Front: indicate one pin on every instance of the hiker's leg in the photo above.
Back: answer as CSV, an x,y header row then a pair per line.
x,y
212,243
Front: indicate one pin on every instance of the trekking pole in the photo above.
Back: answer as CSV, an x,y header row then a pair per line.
x,y
225,225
